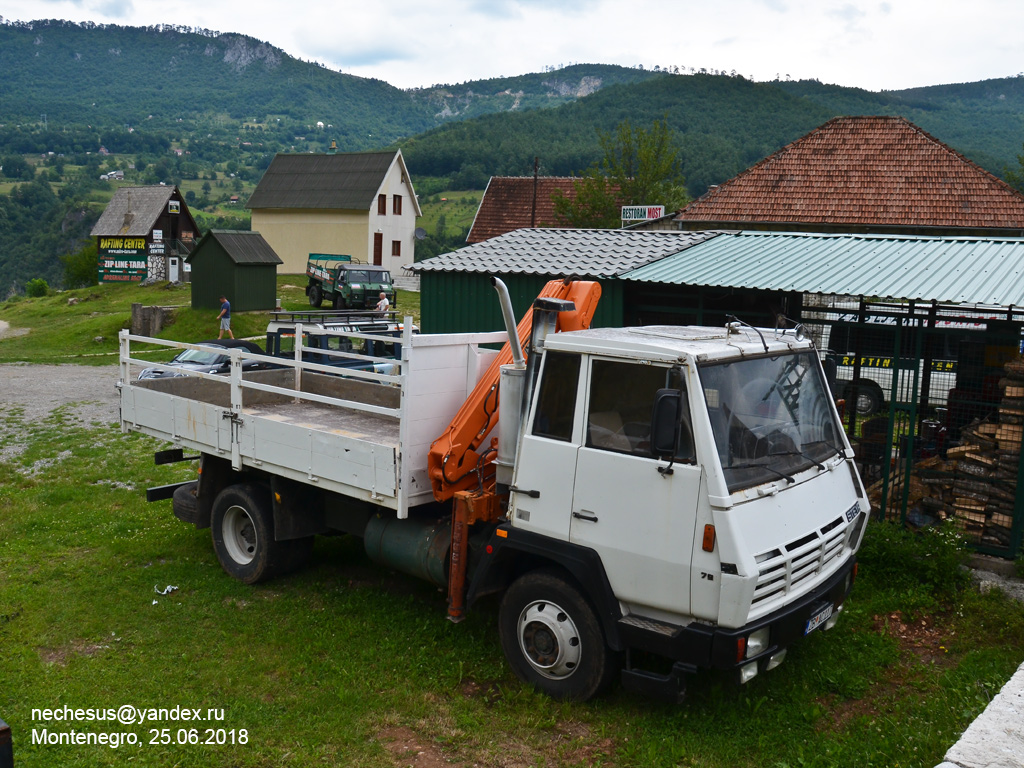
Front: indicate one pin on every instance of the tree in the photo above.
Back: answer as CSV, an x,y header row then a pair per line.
x,y
639,167
1015,178
16,167
81,269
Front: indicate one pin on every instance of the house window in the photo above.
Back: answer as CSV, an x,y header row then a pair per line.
x,y
382,205
396,247
396,205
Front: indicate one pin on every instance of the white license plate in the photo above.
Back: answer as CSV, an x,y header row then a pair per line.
x,y
818,619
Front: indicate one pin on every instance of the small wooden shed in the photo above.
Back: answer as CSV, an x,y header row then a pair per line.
x,y
235,263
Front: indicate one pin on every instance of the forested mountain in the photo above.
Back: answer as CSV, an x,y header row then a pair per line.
x,y
190,106
725,124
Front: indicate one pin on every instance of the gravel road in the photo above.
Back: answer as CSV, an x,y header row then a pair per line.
x,y
36,390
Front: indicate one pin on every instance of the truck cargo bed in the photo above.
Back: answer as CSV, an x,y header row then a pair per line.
x,y
363,435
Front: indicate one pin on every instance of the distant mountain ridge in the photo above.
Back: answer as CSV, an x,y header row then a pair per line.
x,y
173,104
180,77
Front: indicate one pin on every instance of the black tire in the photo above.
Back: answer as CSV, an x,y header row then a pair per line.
x,y
869,397
316,296
553,639
339,302
185,504
242,526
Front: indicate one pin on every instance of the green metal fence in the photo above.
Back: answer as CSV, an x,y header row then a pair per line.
x,y
934,406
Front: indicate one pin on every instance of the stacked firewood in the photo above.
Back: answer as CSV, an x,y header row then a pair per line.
x,y
975,485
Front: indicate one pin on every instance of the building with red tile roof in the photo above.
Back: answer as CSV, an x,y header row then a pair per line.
x,y
518,202
862,174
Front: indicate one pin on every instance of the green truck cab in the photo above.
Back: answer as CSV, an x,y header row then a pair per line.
x,y
345,284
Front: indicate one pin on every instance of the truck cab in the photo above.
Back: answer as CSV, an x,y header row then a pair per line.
x,y
705,487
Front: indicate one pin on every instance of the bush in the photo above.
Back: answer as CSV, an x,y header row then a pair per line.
x,y
81,269
902,560
36,288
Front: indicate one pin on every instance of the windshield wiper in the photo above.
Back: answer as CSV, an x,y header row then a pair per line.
x,y
818,464
765,467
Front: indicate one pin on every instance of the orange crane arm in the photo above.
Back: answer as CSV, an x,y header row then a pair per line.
x,y
455,457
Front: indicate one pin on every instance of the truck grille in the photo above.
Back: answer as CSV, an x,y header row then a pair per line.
x,y
780,571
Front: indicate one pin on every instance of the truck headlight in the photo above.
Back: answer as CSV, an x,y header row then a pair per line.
x,y
757,641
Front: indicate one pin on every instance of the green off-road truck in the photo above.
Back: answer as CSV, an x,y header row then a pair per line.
x,y
345,284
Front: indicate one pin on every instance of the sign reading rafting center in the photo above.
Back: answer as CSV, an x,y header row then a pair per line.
x,y
642,212
122,259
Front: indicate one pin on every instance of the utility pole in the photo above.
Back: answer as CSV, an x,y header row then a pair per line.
x,y
533,210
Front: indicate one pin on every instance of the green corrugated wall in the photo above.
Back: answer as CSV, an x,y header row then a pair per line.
x,y
457,302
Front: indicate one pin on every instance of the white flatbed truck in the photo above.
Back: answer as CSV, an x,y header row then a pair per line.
x,y
681,495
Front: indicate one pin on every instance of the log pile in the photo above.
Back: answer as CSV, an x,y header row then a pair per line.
x,y
975,486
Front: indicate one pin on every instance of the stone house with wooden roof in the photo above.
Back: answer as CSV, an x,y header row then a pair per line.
x,y
863,175
358,204
144,232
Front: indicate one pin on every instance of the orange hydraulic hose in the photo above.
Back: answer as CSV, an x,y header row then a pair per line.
x,y
454,457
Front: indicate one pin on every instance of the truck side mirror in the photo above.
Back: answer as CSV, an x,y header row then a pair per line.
x,y
665,422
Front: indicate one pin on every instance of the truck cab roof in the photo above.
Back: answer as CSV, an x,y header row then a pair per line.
x,y
672,343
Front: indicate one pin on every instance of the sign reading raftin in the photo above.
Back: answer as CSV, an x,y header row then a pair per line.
x,y
122,259
642,212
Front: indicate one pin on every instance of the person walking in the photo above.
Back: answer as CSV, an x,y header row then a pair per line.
x,y
225,318
383,304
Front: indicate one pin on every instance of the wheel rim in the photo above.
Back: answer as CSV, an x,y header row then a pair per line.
x,y
240,538
865,404
549,640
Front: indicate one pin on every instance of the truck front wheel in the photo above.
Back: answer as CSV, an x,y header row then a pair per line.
x,y
552,638
316,296
242,525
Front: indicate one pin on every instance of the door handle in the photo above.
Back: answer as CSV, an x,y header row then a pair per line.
x,y
584,515
531,494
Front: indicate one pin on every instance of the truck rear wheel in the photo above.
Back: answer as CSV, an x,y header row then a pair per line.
x,y
242,526
552,638
869,397
316,296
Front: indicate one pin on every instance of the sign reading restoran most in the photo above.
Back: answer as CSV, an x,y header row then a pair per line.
x,y
642,212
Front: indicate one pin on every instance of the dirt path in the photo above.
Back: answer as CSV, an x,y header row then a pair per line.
x,y
5,330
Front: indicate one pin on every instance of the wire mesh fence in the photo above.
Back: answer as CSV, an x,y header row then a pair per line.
x,y
933,399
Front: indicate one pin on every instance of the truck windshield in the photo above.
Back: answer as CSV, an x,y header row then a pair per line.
x,y
771,417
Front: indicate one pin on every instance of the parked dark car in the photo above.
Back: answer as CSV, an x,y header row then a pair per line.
x,y
208,360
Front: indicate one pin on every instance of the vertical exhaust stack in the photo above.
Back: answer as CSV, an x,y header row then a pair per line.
x,y
510,403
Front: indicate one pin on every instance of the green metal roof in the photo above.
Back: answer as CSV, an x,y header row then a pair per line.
x,y
965,270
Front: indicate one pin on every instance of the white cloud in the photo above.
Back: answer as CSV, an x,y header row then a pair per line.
x,y
891,44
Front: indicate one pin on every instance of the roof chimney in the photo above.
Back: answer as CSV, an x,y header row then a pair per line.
x,y
334,148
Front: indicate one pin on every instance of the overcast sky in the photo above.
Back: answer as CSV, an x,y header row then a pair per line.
x,y
409,43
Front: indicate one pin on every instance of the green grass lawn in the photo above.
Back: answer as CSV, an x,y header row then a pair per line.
x,y
82,325
347,663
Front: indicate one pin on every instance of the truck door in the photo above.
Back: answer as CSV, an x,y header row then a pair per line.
x,y
641,521
542,487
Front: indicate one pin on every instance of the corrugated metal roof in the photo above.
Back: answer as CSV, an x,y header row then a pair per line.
x,y
968,270
132,211
347,181
580,252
